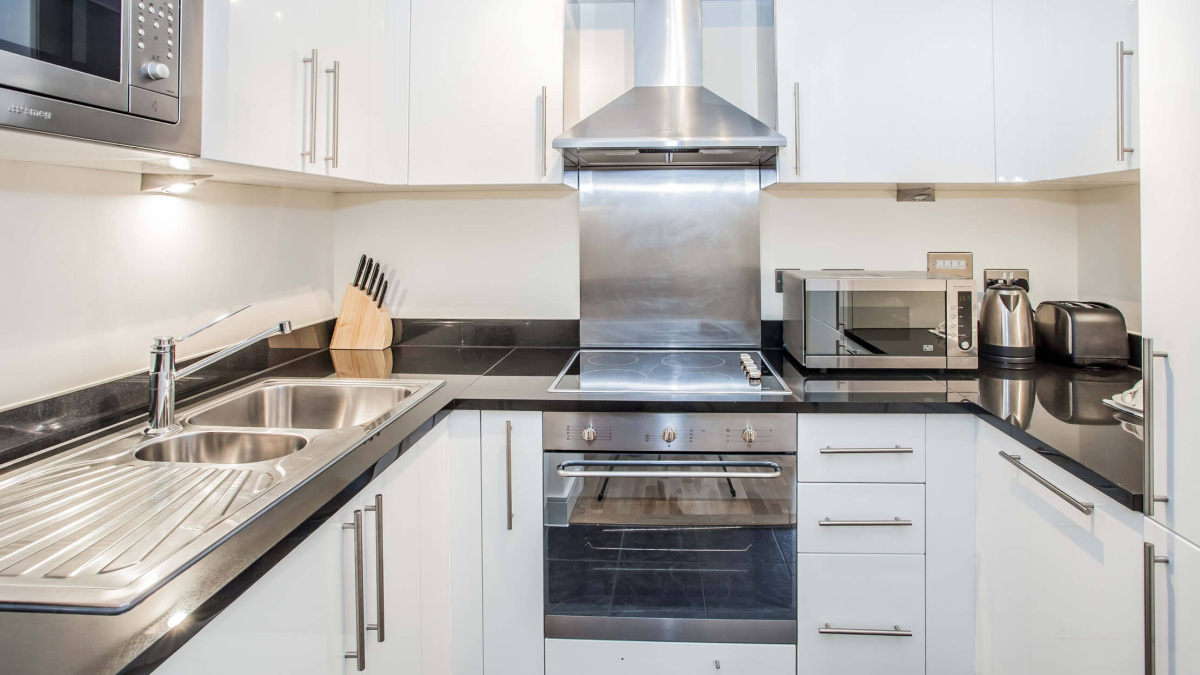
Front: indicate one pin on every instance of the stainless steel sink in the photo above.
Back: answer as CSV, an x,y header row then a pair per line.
x,y
221,447
101,526
306,406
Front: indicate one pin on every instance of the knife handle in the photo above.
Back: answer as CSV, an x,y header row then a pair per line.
x,y
378,289
382,295
366,274
362,261
374,276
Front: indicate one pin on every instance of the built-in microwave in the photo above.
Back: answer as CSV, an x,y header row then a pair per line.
x,y
117,71
859,319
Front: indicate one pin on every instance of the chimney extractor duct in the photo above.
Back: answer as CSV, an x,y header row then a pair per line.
x,y
669,119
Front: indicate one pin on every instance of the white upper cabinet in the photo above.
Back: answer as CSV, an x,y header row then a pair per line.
x,y
268,104
1059,590
1066,104
885,91
258,90
477,110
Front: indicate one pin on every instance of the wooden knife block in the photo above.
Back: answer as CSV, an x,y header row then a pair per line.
x,y
361,325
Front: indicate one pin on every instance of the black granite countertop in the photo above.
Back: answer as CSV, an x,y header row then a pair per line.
x,y
1053,410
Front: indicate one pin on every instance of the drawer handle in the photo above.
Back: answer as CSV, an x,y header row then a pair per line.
x,y
895,632
895,522
897,450
1084,507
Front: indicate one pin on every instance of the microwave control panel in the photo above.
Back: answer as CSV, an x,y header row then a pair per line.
x,y
154,58
960,322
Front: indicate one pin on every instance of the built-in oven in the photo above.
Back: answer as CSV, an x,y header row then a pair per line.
x,y
858,319
670,527
118,71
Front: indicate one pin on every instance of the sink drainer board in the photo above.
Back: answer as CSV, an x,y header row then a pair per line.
x,y
98,528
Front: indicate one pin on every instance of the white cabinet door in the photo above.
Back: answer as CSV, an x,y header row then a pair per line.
x,y
257,88
513,614
451,556
1059,591
398,490
1170,210
478,69
364,111
1057,79
295,619
1176,611
887,91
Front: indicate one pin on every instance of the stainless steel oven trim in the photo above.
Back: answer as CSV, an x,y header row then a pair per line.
x,y
784,391
21,72
739,631
884,285
81,121
888,362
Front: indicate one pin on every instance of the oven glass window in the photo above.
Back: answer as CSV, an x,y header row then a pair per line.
x,y
875,323
83,35
677,547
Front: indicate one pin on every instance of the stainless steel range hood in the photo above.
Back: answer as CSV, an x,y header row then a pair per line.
x,y
669,119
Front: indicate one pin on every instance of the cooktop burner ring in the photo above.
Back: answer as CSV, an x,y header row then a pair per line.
x,y
704,378
618,375
693,360
612,359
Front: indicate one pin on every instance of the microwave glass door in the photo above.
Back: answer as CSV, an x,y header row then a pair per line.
x,y
875,323
75,50
670,536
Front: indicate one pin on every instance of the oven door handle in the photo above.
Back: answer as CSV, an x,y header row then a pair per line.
x,y
564,469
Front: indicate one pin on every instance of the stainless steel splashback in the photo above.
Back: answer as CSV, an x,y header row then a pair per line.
x,y
669,258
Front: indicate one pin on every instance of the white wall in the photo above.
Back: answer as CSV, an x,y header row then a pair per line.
x,y
478,255
93,270
1110,250
516,255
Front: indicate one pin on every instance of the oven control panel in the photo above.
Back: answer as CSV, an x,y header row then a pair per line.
x,y
154,63
669,432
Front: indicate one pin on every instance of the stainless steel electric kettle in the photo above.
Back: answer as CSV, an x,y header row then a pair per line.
x,y
1006,327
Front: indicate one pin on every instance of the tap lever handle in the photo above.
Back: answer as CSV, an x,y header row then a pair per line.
x,y
212,323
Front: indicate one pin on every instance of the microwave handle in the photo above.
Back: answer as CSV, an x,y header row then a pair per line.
x,y
565,469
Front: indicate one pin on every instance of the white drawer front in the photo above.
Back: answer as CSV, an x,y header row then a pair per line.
x,y
861,449
860,518
609,657
861,592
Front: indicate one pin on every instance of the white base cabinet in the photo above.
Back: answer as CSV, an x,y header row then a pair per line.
x,y
604,657
1060,591
299,618
513,610
1176,585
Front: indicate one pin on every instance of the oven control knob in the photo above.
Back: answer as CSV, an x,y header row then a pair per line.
x,y
156,70
965,345
589,433
749,435
669,434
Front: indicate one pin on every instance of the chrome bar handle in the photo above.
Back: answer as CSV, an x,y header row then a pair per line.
x,y
311,153
895,522
1148,562
545,135
774,470
1015,460
336,71
897,450
360,613
508,469
1122,149
1148,436
895,632
796,106
377,509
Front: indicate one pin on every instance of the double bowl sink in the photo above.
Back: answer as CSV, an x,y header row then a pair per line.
x,y
98,528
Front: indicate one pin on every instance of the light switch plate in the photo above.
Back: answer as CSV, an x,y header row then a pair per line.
x,y
952,264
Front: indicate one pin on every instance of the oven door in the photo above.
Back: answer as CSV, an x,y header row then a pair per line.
x,y
74,50
875,323
671,547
